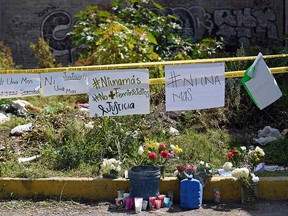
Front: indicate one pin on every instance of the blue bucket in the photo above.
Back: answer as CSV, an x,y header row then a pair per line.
x,y
144,181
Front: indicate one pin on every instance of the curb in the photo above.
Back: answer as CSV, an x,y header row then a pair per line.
x,y
269,188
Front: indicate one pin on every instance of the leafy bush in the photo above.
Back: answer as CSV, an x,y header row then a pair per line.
x,y
43,53
276,152
6,60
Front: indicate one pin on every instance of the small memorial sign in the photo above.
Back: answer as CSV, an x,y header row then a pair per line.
x,y
19,85
197,86
119,92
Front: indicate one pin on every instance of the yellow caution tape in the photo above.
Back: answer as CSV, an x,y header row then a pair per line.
x,y
155,81
232,74
140,65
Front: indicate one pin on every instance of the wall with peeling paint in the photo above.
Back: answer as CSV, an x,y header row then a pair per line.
x,y
248,22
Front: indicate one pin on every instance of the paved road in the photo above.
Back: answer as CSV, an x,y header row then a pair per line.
x,y
64,208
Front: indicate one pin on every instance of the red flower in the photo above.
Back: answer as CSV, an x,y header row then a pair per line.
x,y
180,169
152,156
232,154
162,146
164,154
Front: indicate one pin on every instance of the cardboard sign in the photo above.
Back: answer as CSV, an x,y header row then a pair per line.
x,y
197,86
119,92
260,83
19,85
64,83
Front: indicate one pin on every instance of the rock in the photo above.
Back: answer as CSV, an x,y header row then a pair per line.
x,y
269,132
267,135
264,140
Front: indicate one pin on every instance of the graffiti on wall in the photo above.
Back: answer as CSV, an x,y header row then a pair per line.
x,y
55,28
246,26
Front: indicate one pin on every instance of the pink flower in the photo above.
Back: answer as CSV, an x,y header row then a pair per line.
x,y
162,146
171,154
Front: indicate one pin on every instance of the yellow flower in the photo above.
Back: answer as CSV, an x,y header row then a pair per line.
x,y
257,159
177,150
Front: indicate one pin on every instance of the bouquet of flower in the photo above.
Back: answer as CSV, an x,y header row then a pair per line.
x,y
158,154
201,171
240,157
245,163
110,168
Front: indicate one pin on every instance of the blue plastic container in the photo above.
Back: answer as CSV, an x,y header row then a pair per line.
x,y
144,181
191,193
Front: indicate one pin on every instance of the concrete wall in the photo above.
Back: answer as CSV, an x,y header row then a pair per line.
x,y
247,22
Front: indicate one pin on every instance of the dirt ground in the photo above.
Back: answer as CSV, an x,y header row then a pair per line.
x,y
62,208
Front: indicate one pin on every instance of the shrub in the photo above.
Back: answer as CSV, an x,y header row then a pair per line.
x,y
43,53
6,60
276,152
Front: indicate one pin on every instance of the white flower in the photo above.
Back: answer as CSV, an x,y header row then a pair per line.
x,y
260,151
243,148
118,168
89,126
110,164
227,166
112,167
236,173
240,173
255,178
112,160
172,147
244,172
140,150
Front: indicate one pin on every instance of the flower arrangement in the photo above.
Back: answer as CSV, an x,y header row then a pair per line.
x,y
240,157
110,168
158,154
245,162
201,171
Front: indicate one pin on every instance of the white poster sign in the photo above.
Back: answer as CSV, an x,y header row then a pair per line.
x,y
119,92
64,83
19,85
260,83
197,86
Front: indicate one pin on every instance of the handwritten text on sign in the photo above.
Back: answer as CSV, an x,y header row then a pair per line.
x,y
19,85
197,86
64,83
119,92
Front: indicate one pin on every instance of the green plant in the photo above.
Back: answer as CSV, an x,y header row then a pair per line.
x,y
43,53
129,32
6,60
276,152
208,146
207,48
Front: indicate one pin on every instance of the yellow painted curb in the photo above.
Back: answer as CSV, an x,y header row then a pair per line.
x,y
270,188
